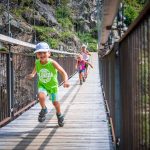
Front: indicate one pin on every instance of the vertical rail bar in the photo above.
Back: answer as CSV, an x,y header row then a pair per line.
x,y
10,81
134,74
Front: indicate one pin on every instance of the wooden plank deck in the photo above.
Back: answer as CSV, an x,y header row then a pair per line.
x,y
86,126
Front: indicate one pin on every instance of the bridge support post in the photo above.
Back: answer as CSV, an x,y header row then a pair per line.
x,y
118,108
10,82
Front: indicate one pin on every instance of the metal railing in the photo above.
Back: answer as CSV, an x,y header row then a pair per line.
x,y
109,82
16,92
125,79
4,105
24,91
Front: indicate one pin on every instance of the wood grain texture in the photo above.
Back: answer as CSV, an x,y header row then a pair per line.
x,y
86,125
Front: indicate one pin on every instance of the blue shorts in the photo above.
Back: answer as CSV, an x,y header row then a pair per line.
x,y
53,96
80,71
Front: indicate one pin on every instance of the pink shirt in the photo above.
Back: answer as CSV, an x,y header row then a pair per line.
x,y
81,65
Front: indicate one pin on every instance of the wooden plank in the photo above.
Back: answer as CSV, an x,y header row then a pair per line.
x,y
86,125
55,148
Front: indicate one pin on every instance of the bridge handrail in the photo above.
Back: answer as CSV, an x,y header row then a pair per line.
x,y
125,71
11,40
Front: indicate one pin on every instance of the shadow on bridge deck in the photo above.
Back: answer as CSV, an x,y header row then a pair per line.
x,y
86,125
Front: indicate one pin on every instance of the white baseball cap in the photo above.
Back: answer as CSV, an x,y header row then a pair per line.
x,y
42,47
83,45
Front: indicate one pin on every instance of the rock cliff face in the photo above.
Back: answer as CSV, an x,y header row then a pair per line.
x,y
26,14
84,14
38,20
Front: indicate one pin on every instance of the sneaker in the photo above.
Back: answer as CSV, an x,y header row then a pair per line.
x,y
80,82
42,115
85,76
83,79
60,120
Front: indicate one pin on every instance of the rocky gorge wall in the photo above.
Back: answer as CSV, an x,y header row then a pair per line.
x,y
41,18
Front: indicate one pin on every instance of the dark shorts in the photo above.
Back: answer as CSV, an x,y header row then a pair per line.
x,y
80,71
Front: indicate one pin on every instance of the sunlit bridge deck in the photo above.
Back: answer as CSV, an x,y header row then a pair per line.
x,y
86,124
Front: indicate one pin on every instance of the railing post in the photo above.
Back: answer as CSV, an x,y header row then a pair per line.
x,y
10,82
118,105
35,85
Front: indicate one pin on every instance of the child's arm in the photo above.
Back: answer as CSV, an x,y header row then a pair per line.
x,y
32,75
76,65
62,72
89,64
88,53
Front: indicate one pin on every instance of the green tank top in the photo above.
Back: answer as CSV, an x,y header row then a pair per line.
x,y
47,76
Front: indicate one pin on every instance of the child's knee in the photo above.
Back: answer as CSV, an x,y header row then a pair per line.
x,y
56,103
41,95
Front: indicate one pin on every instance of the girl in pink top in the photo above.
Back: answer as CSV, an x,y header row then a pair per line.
x,y
80,65
85,53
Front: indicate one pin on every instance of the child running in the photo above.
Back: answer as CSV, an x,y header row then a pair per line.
x,y
80,65
46,70
85,53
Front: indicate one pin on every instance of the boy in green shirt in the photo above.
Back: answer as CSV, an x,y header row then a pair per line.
x,y
46,70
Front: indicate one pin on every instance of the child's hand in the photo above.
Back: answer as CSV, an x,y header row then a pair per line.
x,y
66,84
91,66
76,67
30,76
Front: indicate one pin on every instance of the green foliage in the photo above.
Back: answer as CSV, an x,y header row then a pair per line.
x,y
23,2
63,12
64,18
51,2
64,2
142,1
130,14
92,47
2,8
65,36
22,8
44,34
63,15
54,43
65,23
28,3
19,11
87,38
94,33
3,49
43,30
132,9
